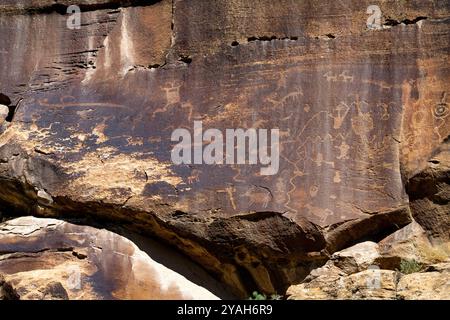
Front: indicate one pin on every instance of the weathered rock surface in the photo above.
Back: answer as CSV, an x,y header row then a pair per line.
x,y
4,111
356,258
7,292
52,259
410,243
377,284
368,284
431,285
360,111
371,270
429,192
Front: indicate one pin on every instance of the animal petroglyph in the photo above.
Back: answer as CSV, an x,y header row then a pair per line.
x,y
292,98
344,76
441,110
330,76
194,177
62,104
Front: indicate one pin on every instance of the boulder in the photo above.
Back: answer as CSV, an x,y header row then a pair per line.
x,y
348,261
431,285
429,193
52,259
7,292
4,111
356,258
410,243
374,284
369,284
44,197
370,270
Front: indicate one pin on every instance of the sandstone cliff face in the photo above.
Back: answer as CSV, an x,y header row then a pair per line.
x,y
361,112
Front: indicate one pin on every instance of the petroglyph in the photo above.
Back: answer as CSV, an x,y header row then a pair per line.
x,y
62,104
342,111
330,76
172,94
385,115
337,177
344,76
343,150
323,215
194,177
259,196
441,110
362,123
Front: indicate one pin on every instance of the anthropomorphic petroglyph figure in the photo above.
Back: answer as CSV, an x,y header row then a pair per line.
x,y
342,111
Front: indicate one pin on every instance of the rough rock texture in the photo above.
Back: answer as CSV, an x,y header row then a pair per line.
x,y
371,270
7,292
52,259
410,243
4,111
360,112
431,285
361,285
378,284
356,258
429,193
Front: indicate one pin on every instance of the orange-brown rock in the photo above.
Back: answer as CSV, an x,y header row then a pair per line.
x,y
52,259
7,292
429,193
360,111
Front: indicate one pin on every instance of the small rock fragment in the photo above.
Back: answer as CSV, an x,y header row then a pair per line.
x,y
44,198
55,291
7,292
4,111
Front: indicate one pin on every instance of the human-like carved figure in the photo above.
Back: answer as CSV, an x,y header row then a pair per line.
x,y
342,111
343,149
385,115
172,93
327,213
362,123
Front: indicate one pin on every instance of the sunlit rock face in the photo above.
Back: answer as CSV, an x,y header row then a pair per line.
x,y
52,259
359,112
